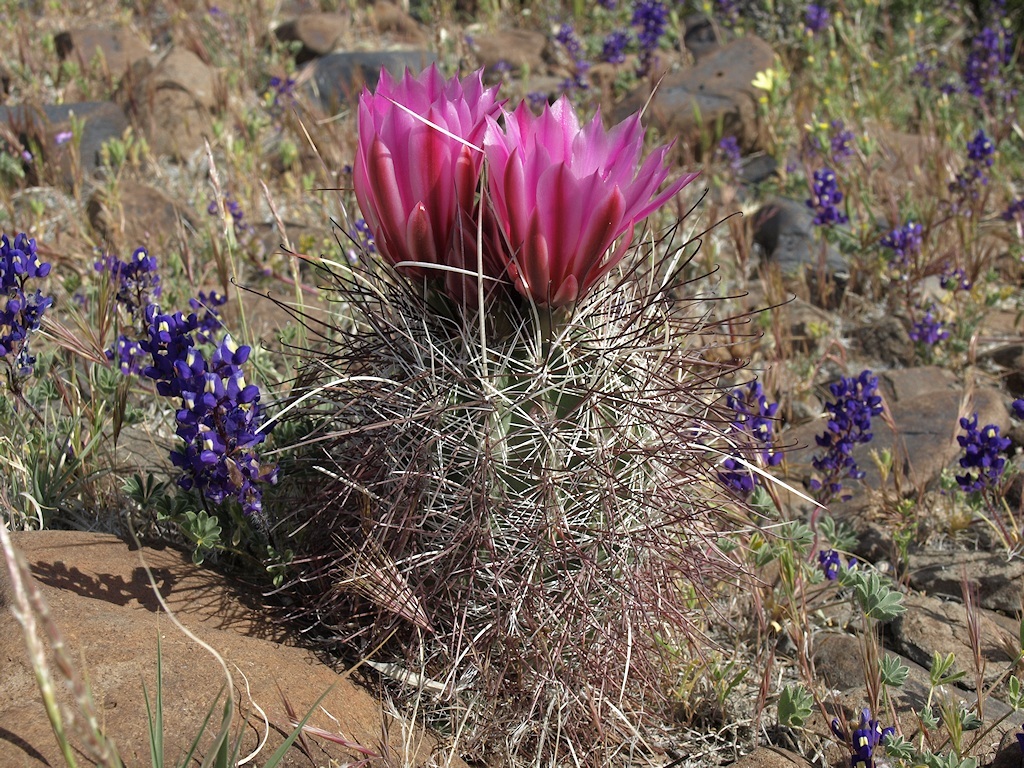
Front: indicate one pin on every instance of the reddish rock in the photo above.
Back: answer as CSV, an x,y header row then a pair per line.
x,y
772,757
317,33
100,599
139,215
522,50
171,97
391,21
117,48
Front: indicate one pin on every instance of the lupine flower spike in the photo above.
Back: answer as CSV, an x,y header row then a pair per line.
x,y
23,309
855,402
563,195
984,455
754,415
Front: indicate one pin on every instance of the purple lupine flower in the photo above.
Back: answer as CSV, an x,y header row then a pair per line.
x,y
234,210
753,416
23,310
137,280
1014,211
209,322
651,16
608,5
855,402
219,421
1018,408
281,91
816,18
830,563
362,241
841,141
904,242
980,150
983,457
614,49
955,279
536,99
825,199
728,12
567,38
729,150
929,330
63,137
866,737
127,352
991,50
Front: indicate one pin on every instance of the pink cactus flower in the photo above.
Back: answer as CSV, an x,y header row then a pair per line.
x,y
415,181
563,196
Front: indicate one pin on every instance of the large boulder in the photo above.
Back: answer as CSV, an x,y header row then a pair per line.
x,y
101,601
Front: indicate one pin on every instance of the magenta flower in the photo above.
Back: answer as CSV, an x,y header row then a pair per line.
x,y
563,196
416,184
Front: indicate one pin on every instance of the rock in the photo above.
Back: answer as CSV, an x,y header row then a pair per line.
x,y
999,582
1010,358
317,34
931,625
772,757
837,660
784,229
140,215
101,121
100,599
171,97
718,89
521,50
805,323
392,22
338,79
702,37
885,341
757,168
115,49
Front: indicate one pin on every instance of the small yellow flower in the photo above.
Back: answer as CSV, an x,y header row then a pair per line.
x,y
765,80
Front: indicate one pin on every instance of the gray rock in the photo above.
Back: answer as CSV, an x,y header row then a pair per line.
x,y
784,229
885,340
101,121
999,582
702,37
338,79
1010,358
717,91
931,625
